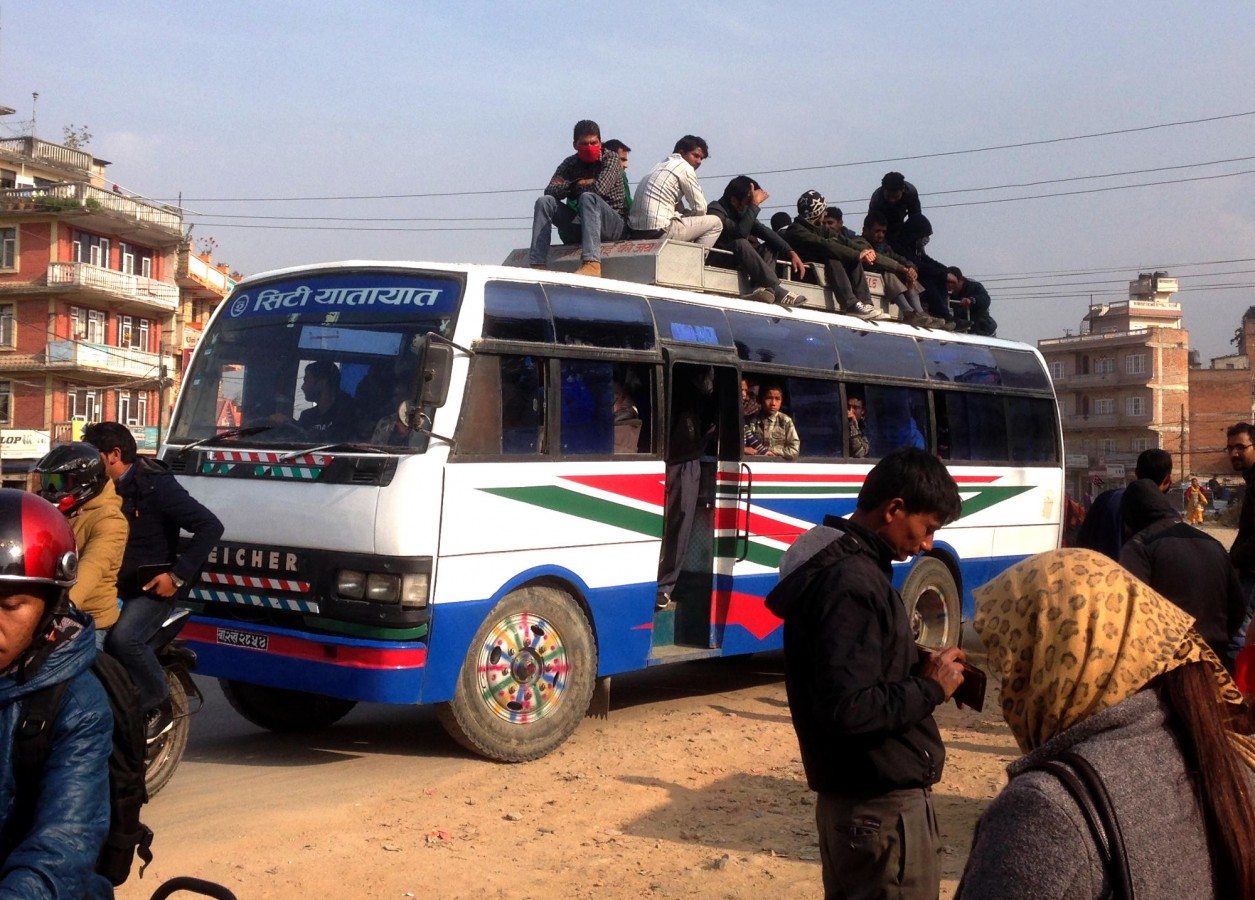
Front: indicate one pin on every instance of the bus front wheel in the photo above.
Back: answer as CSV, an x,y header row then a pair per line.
x,y
278,709
932,600
527,678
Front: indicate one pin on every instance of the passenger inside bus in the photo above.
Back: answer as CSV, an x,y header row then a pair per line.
x,y
772,432
627,421
331,416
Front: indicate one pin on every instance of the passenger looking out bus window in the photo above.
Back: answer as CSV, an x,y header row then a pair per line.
x,y
856,415
895,417
749,400
593,177
772,432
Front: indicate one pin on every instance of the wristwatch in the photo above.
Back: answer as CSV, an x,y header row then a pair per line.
x,y
178,582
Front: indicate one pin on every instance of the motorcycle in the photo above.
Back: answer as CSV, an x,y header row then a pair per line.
x,y
178,662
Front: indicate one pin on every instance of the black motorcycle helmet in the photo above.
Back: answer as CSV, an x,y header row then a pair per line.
x,y
69,476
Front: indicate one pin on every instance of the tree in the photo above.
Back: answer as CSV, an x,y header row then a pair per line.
x,y
77,137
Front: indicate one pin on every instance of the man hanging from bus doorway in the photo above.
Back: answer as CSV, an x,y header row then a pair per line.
x,y
860,694
692,428
594,178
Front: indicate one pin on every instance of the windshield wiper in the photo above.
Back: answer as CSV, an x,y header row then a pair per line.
x,y
341,446
234,432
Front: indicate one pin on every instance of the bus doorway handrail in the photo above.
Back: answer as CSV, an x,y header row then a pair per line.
x,y
747,478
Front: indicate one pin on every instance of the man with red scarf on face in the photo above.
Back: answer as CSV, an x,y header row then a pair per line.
x,y
593,177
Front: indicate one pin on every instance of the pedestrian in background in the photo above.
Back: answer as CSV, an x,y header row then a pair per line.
x,y
1240,446
1102,673
1195,503
861,699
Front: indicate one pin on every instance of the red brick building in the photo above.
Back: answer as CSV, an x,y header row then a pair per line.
x,y
91,308
1220,395
1122,384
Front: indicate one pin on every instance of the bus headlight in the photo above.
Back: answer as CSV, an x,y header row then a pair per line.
x,y
414,590
383,588
351,584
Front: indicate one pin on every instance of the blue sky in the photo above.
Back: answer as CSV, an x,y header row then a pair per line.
x,y
282,100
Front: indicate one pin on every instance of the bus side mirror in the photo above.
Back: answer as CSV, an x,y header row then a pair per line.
x,y
435,370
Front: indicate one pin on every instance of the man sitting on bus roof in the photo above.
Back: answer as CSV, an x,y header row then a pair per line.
x,y
843,262
658,209
738,210
835,219
593,177
331,416
901,278
897,200
971,303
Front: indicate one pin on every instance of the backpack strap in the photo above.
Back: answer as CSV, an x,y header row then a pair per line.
x,y
32,745
1085,787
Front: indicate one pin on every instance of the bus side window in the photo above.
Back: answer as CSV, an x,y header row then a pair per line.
x,y
604,408
896,417
971,427
1032,430
815,407
504,413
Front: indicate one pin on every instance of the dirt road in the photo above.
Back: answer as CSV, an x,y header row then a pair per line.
x,y
691,788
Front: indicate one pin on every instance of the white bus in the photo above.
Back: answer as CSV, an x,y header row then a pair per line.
x,y
473,516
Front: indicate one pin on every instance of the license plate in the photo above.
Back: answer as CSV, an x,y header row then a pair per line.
x,y
248,639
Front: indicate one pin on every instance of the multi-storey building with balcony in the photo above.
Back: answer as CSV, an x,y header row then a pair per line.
x,y
88,295
1123,386
203,285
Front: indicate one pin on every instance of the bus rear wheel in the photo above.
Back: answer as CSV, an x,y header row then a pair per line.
x,y
932,600
527,678
278,709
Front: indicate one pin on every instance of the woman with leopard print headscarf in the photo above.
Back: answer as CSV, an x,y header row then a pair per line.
x,y
1094,662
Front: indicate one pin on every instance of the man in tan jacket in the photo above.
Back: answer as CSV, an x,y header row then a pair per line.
x,y
72,477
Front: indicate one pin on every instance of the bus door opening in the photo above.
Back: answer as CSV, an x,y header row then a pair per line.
x,y
703,437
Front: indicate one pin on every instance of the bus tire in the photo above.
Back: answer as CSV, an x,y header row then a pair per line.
x,y
279,709
527,678
932,600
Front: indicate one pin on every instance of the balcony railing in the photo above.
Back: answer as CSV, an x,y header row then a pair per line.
x,y
159,223
45,152
118,285
1093,338
101,357
195,272
1101,379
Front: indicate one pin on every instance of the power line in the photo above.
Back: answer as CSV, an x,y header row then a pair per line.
x,y
844,165
995,187
1003,276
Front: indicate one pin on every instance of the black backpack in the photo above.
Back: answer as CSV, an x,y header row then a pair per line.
x,y
32,746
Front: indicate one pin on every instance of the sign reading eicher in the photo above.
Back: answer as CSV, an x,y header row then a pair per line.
x,y
381,293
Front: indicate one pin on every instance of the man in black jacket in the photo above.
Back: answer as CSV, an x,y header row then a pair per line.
x,y
1187,566
1240,446
860,696
971,302
896,200
738,210
157,509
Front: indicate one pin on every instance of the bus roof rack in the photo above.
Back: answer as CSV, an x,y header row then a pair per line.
x,y
679,264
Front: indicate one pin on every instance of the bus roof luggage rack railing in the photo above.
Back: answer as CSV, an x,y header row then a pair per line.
x,y
679,264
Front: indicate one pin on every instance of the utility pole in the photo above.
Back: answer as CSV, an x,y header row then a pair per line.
x,y
1181,464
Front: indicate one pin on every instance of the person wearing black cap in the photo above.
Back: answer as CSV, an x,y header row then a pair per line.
x,y
897,200
1184,564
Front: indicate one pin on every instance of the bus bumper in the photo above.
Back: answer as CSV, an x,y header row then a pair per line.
x,y
349,668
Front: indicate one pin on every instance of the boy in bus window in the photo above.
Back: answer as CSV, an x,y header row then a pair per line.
x,y
857,417
773,433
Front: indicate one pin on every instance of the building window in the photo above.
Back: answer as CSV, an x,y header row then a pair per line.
x,y
1135,364
8,248
1056,370
141,407
85,405
1105,366
8,179
92,249
141,335
97,321
126,257
124,408
1107,445
8,325
6,403
1135,406
125,331
1104,406
1140,444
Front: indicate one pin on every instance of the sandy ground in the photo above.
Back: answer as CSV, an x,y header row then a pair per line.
x,y
692,787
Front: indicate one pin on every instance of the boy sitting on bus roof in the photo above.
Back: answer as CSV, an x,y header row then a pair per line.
x,y
738,210
971,303
593,177
772,433
659,208
900,275
842,260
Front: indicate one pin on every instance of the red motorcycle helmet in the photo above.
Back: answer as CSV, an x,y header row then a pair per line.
x,y
37,548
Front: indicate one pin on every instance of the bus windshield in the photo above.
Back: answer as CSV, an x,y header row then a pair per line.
x,y
316,359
